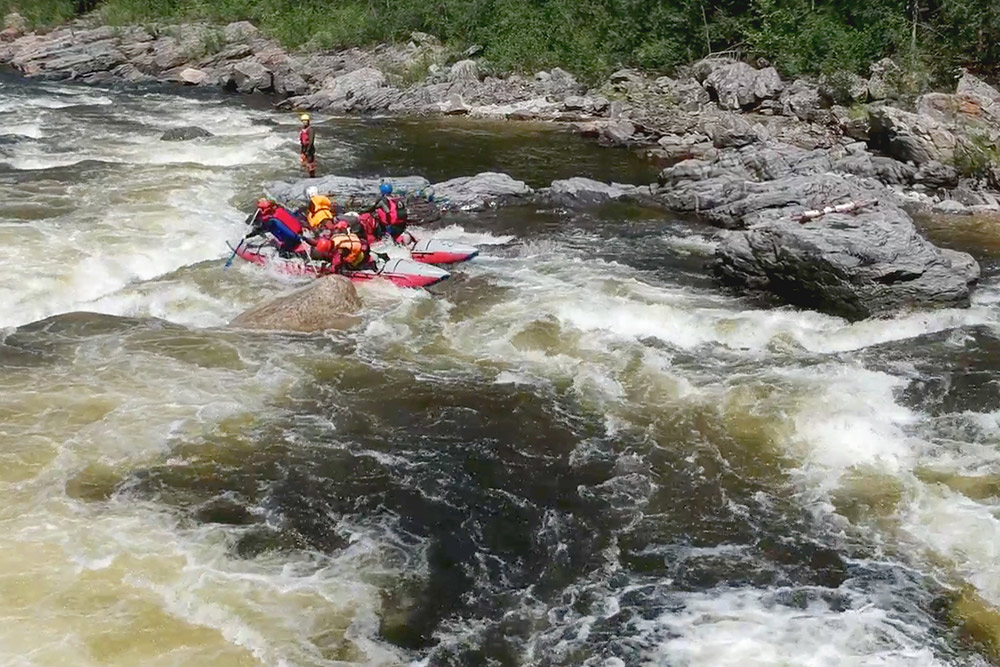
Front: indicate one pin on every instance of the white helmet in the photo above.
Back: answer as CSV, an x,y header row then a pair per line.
x,y
312,191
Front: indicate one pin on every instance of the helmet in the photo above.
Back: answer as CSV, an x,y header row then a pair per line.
x,y
312,191
385,188
304,118
323,245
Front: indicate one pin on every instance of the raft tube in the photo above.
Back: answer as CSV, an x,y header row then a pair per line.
x,y
440,251
400,272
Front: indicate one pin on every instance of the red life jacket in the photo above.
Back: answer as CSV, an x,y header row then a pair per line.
x,y
289,220
369,228
304,137
390,218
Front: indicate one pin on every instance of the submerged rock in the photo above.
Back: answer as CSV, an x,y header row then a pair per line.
x,y
326,303
185,133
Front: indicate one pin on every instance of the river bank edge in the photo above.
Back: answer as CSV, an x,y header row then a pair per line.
x,y
740,147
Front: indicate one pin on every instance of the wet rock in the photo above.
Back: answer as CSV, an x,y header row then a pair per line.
x,y
740,86
185,133
883,84
950,207
342,188
325,303
481,191
911,137
248,76
936,175
289,83
843,88
464,70
859,265
193,77
589,105
579,191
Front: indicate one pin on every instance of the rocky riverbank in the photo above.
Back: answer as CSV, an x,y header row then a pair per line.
x,y
741,147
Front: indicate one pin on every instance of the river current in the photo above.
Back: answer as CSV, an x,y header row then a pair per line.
x,y
577,451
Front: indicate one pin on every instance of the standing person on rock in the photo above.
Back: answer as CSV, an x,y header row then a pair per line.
x,y
307,143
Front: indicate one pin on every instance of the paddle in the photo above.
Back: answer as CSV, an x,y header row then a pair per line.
x,y
229,262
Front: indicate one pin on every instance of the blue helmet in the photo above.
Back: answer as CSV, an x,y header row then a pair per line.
x,y
385,188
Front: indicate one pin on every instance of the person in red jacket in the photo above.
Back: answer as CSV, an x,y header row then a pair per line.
x,y
307,144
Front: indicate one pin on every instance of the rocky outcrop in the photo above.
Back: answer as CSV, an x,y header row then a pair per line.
x,y
326,303
911,137
185,133
342,188
588,192
739,86
868,264
481,191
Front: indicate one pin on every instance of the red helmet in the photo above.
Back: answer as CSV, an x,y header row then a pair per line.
x,y
323,245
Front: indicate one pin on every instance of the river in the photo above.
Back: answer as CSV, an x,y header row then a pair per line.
x,y
577,451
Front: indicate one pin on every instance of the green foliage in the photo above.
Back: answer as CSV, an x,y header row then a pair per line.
x,y
977,156
592,37
39,13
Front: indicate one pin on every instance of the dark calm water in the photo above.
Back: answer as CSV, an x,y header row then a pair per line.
x,y
577,451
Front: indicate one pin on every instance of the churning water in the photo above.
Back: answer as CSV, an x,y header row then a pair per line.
x,y
578,451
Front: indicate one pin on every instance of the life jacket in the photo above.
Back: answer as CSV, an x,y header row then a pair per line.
x,y
304,137
368,228
319,211
350,248
390,217
285,216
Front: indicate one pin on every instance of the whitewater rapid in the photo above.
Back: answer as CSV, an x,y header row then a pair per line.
x,y
577,451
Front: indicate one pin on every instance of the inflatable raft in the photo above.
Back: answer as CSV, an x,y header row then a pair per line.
x,y
400,272
441,251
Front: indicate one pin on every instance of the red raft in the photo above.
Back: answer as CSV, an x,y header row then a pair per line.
x,y
400,272
441,251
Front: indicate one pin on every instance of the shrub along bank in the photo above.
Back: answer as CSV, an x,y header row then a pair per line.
x,y
593,37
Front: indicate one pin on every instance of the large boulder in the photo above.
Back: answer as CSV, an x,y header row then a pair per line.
x,y
481,191
579,191
740,86
248,76
970,85
193,77
464,70
343,188
911,137
326,303
362,90
859,265
802,100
